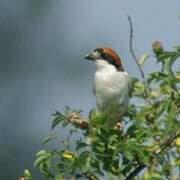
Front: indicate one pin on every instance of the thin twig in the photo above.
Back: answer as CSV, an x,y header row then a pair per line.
x,y
132,51
147,89
131,47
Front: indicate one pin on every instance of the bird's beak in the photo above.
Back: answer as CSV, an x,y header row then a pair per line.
x,y
89,57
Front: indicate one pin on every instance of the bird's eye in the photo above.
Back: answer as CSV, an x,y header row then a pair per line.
x,y
103,55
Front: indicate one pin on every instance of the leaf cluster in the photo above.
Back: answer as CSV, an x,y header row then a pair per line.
x,y
147,138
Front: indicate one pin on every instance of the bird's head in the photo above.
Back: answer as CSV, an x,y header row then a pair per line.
x,y
104,57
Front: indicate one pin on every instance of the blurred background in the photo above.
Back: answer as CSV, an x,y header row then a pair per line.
x,y
42,45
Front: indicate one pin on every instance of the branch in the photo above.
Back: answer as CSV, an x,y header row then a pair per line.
x,y
132,51
168,142
87,175
162,149
80,122
136,172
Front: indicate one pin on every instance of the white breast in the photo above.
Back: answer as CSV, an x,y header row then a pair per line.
x,y
112,91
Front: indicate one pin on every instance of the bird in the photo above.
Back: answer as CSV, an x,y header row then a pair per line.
x,y
112,85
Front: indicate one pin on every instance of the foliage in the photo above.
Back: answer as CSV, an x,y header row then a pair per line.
x,y
148,137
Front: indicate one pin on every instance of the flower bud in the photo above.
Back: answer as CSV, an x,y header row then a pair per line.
x,y
157,47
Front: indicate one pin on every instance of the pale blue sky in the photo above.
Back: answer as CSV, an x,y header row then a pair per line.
x,y
42,45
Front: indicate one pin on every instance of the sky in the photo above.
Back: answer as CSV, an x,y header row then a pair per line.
x,y
42,65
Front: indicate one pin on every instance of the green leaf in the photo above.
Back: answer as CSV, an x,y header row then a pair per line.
x,y
131,111
59,176
165,55
131,130
157,76
39,160
147,126
41,153
168,59
27,175
42,156
45,169
167,68
143,58
138,88
128,154
152,176
49,138
115,169
98,119
177,162
81,144
84,161
58,118
177,48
